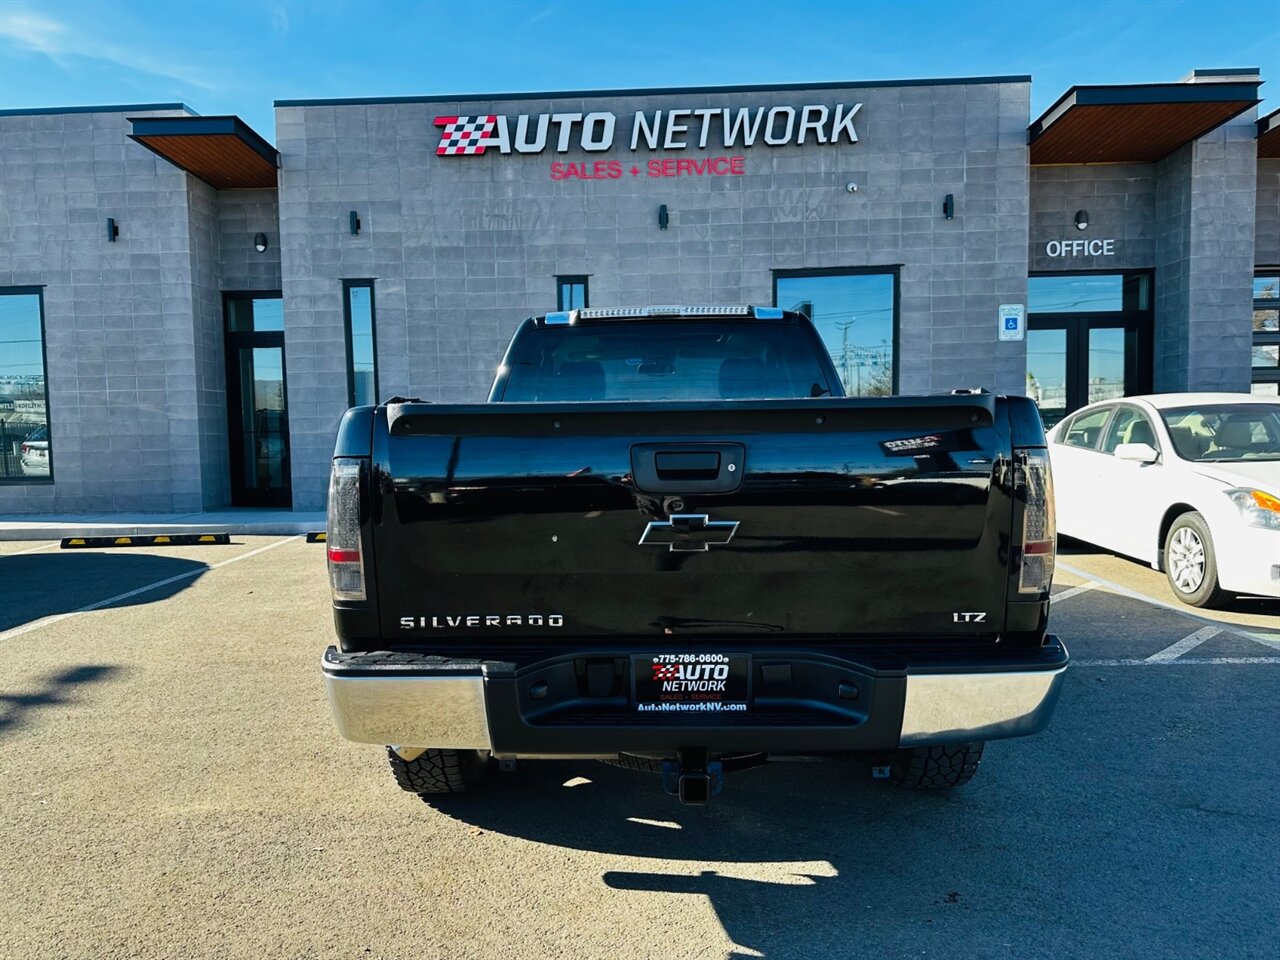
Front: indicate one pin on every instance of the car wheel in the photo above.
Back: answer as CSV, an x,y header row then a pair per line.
x,y
1190,562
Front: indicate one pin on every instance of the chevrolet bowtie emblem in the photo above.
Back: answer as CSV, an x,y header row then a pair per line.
x,y
688,532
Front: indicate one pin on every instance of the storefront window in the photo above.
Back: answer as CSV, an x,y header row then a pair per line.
x,y
1266,333
250,314
1089,293
571,293
362,362
26,448
855,313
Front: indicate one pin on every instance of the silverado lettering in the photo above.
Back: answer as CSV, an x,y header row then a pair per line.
x,y
488,620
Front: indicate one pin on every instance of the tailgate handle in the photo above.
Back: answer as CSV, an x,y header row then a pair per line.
x,y
702,465
687,468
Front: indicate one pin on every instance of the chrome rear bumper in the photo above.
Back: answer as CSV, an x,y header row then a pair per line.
x,y
423,711
961,707
455,705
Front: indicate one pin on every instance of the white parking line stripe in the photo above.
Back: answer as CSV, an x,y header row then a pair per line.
x,y
18,553
98,604
1185,645
1074,591
1265,641
1269,641
1185,661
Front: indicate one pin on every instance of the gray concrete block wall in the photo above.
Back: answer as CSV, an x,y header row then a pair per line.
x,y
1120,199
242,214
1173,270
1266,236
211,469
1206,194
117,315
463,247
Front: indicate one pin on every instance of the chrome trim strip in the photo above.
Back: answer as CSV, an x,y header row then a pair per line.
x,y
957,707
445,712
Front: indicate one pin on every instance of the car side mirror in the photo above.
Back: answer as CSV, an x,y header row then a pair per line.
x,y
1139,452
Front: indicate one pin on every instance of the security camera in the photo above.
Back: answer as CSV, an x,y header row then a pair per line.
x,y
851,187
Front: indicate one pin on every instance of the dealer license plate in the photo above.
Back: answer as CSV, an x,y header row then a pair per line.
x,y
691,682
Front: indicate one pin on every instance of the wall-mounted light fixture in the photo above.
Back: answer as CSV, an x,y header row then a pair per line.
x,y
663,218
1082,219
355,224
260,242
949,207
851,187
113,229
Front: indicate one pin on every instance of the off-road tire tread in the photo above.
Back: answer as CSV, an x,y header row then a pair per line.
x,y
936,768
439,771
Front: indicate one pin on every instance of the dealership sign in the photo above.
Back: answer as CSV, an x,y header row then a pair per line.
x,y
699,129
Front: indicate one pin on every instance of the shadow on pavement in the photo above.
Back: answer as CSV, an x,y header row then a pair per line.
x,y
58,689
799,854
39,585
817,860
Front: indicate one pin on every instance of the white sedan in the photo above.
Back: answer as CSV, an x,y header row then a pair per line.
x,y
1188,482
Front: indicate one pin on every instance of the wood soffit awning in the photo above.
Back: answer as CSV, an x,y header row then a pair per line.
x,y
1269,136
1134,123
222,151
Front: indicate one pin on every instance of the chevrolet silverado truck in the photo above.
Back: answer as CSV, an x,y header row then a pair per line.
x,y
669,541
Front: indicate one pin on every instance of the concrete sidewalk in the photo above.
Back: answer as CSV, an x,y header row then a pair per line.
x,y
243,521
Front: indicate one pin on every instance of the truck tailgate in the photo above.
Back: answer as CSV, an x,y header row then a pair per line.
x,y
855,518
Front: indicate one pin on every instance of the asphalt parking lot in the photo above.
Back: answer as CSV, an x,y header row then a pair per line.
x,y
170,786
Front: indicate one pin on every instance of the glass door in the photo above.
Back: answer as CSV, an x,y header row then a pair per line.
x,y
1105,364
257,408
1047,372
1088,339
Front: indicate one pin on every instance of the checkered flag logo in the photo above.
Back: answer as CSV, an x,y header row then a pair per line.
x,y
665,671
465,136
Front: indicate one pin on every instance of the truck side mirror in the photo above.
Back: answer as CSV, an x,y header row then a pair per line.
x,y
1138,452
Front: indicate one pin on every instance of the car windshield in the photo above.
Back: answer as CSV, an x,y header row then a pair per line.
x,y
1225,431
657,360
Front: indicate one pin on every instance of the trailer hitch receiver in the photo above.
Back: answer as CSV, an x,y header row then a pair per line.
x,y
692,777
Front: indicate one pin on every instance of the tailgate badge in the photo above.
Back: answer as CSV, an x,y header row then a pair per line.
x,y
688,532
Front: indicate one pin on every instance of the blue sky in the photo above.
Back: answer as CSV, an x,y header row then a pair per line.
x,y
236,56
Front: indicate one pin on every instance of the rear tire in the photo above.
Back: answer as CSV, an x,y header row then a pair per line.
x,y
435,772
936,768
1190,563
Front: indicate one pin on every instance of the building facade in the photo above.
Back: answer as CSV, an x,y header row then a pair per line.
x,y
186,310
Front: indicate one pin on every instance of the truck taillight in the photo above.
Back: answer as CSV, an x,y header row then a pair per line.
x,y
1039,526
346,561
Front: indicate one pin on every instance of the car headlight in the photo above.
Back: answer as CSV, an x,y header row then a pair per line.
x,y
1257,509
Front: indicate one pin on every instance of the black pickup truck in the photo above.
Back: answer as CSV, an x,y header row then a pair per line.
x,y
669,541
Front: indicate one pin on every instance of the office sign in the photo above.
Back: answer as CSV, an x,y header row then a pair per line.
x,y
728,128
1080,248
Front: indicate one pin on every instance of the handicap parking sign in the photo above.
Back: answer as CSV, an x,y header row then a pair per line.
x,y
1013,321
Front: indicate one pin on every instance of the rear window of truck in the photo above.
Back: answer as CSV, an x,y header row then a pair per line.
x,y
657,360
